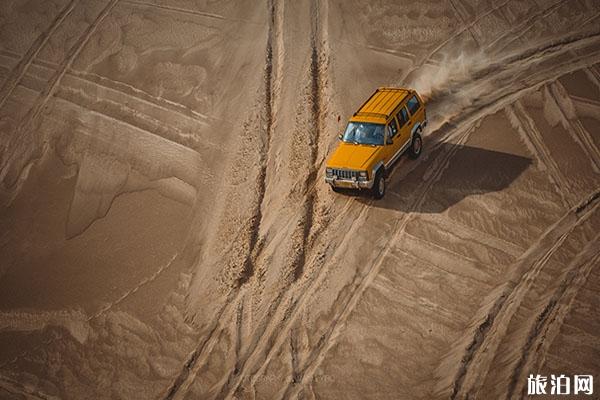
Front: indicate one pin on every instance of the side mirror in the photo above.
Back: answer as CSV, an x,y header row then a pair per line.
x,y
340,136
389,140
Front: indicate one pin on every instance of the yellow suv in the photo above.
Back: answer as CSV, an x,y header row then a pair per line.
x,y
389,123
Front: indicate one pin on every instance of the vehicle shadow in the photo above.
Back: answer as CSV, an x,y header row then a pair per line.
x,y
471,171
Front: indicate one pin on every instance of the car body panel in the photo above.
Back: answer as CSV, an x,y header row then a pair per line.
x,y
352,156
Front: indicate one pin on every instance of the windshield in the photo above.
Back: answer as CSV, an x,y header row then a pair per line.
x,y
364,133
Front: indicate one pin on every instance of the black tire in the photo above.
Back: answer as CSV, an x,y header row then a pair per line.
x,y
416,146
379,186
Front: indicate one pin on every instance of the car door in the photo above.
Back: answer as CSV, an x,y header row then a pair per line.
x,y
391,146
404,127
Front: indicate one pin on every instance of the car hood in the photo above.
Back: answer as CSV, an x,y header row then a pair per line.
x,y
352,156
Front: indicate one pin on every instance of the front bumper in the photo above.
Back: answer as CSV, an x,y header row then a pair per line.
x,y
349,184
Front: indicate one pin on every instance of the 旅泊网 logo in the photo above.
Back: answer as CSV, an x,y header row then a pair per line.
x,y
560,385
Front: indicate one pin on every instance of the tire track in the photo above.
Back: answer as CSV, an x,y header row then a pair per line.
x,y
186,11
585,102
513,30
175,9
138,115
316,116
463,20
75,50
113,111
452,256
98,313
30,120
574,126
198,358
467,233
141,95
447,132
452,37
256,244
493,87
507,76
502,76
304,235
531,135
522,27
479,354
502,99
16,388
133,290
19,71
553,315
594,75
124,89
527,28
362,282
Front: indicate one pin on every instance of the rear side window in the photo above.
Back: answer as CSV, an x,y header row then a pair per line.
x,y
402,117
393,128
413,105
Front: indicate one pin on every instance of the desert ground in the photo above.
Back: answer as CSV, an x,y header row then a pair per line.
x,y
166,231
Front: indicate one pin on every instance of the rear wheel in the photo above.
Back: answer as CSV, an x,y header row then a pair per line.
x,y
379,186
416,146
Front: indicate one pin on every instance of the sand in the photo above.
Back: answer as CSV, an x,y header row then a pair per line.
x,y
166,231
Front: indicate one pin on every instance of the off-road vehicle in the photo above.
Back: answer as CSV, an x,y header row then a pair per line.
x,y
389,123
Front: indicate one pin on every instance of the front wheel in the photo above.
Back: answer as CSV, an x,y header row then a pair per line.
x,y
416,146
379,186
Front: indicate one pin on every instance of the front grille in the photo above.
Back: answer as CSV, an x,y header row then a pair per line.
x,y
345,174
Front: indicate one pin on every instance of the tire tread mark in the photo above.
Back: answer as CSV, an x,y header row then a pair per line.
x,y
479,353
18,389
446,132
306,234
316,110
362,283
74,52
175,9
555,311
575,128
544,13
459,229
522,27
19,71
137,120
123,88
468,26
198,358
98,313
531,135
30,120
452,37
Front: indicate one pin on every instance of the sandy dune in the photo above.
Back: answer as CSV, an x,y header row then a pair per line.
x,y
166,232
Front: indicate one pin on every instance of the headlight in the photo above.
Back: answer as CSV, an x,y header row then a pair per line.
x,y
363,176
329,172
